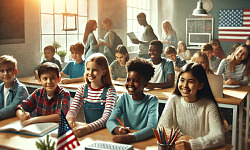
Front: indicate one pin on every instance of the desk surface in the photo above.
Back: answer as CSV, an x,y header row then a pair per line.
x,y
231,96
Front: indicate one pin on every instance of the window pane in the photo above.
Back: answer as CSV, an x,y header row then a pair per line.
x,y
59,24
82,8
47,6
129,13
71,6
47,40
47,24
72,39
59,6
130,3
61,39
82,23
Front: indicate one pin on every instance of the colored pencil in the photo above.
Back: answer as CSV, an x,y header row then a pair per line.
x,y
123,124
23,111
228,75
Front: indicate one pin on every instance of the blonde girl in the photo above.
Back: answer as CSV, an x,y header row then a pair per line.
x,y
117,67
97,95
182,50
193,109
169,36
201,58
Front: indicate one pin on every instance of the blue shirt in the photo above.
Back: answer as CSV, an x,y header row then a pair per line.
x,y
180,62
139,115
17,93
74,70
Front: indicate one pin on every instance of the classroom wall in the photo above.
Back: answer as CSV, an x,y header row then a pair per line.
x,y
180,10
28,53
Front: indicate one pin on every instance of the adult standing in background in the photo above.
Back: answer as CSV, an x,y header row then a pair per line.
x,y
89,39
169,37
147,36
109,39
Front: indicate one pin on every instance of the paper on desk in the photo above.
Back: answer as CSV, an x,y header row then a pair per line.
x,y
231,86
131,35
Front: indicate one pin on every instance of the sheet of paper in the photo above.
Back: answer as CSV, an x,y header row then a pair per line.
x,y
131,35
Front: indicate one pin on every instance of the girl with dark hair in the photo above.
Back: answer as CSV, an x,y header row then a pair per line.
x,y
193,109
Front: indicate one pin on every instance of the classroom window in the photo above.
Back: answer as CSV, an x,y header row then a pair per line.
x,y
52,22
134,7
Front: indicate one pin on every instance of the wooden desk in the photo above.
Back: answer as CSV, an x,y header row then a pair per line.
x,y
18,141
233,99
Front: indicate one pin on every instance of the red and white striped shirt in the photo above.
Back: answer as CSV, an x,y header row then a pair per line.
x,y
94,95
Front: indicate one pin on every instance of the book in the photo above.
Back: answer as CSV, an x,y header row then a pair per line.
x,y
131,35
101,145
37,129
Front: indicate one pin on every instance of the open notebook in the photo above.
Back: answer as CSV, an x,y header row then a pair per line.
x,y
38,129
101,145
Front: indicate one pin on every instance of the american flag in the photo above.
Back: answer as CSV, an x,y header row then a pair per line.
x,y
66,139
234,25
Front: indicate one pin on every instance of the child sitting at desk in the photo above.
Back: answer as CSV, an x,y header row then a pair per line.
x,y
182,50
236,68
76,68
193,109
49,52
97,96
117,67
171,53
201,58
12,92
139,110
164,68
45,103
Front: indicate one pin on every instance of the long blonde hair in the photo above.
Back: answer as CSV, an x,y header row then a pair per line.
x,y
205,58
166,22
101,61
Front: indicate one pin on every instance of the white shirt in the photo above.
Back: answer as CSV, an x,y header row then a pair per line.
x,y
157,78
6,94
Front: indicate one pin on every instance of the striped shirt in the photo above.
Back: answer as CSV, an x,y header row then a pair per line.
x,y
94,96
39,103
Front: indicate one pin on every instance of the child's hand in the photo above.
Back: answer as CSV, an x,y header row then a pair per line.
x,y
135,41
81,131
72,124
124,138
29,121
24,116
121,131
182,145
66,81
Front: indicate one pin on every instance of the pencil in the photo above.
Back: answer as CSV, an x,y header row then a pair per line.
x,y
228,75
122,124
24,111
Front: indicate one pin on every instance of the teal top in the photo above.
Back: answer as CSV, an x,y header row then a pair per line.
x,y
139,115
74,70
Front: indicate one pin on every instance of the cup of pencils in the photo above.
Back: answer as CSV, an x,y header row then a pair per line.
x,y
166,142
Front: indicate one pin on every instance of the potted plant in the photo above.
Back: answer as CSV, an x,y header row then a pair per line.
x,y
56,45
62,54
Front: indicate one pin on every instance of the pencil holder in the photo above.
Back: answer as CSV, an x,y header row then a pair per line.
x,y
165,146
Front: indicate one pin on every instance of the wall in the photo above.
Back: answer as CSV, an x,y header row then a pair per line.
x,y
180,10
28,53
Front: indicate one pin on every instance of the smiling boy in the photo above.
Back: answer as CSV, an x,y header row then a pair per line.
x,y
139,110
171,53
47,101
12,92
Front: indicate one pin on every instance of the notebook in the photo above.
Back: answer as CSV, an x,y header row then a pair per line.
x,y
131,36
216,84
101,145
37,129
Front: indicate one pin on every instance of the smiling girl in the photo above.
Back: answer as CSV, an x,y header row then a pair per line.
x,y
237,66
193,109
117,67
97,96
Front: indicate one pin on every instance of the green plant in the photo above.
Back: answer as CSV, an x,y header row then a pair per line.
x,y
62,53
45,144
56,45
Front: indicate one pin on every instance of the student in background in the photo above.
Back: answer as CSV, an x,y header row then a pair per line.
x,y
171,53
182,50
164,68
213,60
248,40
170,38
89,39
235,46
49,52
201,58
217,50
236,67
193,109
97,95
147,36
117,67
109,40
139,110
76,68
45,103
12,92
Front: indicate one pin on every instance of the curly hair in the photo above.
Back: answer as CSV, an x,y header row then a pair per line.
x,y
142,66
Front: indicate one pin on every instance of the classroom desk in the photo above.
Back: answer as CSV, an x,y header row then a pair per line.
x,y
233,99
18,141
